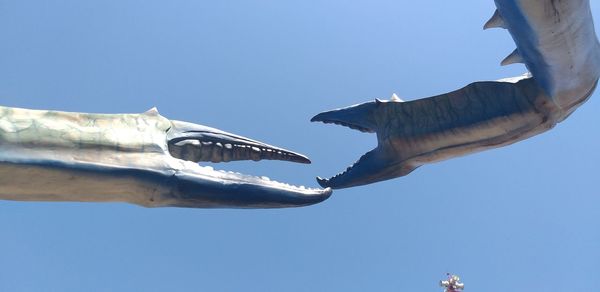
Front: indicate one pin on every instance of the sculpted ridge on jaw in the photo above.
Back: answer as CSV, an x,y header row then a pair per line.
x,y
557,43
143,159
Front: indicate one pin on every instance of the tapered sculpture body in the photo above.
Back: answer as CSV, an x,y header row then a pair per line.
x,y
556,41
143,159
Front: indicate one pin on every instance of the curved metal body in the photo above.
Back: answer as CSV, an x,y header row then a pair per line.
x,y
556,41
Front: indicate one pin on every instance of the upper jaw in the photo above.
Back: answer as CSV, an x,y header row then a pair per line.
x,y
361,117
197,143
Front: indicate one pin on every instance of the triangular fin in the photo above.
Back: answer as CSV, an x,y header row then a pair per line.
x,y
495,22
513,58
396,98
152,112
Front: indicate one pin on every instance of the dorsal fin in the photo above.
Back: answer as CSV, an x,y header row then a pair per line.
x,y
396,98
513,58
152,112
495,22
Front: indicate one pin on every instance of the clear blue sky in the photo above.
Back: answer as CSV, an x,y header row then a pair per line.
x,y
521,218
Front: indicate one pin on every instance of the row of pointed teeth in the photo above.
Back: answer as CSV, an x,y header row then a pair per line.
x,y
351,126
497,21
262,179
326,180
195,150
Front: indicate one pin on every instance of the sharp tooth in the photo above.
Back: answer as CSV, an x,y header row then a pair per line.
x,y
255,154
190,152
495,22
195,142
227,153
266,154
239,152
175,150
216,153
205,152
513,58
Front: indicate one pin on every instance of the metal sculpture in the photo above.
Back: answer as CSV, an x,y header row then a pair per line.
x,y
144,159
556,41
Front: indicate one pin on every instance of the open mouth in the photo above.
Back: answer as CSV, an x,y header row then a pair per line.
x,y
196,143
364,171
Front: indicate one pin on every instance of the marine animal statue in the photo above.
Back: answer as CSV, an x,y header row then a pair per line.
x,y
555,40
144,159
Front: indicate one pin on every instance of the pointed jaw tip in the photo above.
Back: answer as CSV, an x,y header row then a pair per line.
x,y
322,182
375,166
358,117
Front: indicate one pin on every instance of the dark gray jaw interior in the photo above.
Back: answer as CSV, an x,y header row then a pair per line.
x,y
197,143
209,150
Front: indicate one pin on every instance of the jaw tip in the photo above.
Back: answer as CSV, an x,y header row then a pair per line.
x,y
323,182
302,159
327,192
316,118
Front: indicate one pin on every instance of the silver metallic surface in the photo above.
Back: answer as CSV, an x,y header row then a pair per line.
x,y
555,40
144,159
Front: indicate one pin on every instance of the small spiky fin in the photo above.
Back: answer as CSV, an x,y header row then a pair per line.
x,y
152,112
495,22
513,58
396,98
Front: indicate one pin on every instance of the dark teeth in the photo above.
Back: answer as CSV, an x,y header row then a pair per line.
x,y
325,182
194,150
217,153
227,153
255,154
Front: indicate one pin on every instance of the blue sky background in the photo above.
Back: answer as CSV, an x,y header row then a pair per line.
x,y
520,218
